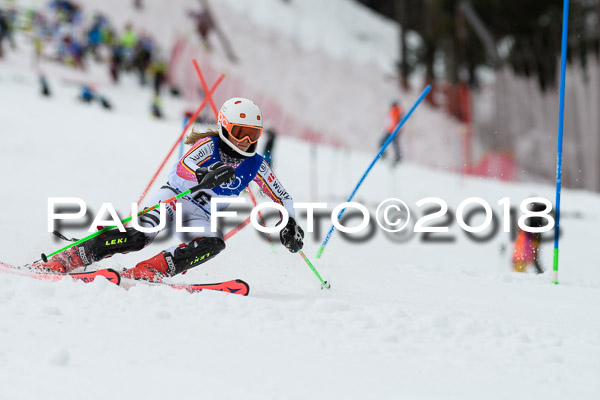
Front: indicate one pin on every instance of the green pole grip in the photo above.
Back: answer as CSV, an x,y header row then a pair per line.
x,y
555,267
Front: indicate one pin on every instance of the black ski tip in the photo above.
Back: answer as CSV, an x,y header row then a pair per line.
x,y
245,284
117,274
44,258
326,285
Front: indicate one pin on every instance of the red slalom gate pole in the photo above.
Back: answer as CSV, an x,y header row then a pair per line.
x,y
262,220
247,221
237,228
205,88
190,122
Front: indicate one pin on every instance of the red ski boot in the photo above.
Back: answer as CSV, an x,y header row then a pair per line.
x,y
153,269
50,266
66,261
184,257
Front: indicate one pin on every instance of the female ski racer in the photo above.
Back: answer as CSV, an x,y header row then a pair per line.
x,y
227,155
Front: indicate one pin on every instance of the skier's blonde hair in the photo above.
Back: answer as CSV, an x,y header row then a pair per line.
x,y
195,135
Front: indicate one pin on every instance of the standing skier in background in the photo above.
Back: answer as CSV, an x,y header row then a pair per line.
x,y
268,150
394,118
227,155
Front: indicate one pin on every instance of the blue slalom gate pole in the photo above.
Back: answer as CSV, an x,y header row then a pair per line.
x,y
561,111
387,142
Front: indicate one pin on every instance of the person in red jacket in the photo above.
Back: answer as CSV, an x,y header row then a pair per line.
x,y
394,118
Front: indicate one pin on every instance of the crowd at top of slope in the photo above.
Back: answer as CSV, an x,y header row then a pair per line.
x,y
67,34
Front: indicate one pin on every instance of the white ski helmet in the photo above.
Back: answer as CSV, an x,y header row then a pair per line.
x,y
240,120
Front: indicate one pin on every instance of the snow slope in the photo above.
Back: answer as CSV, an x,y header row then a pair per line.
x,y
412,320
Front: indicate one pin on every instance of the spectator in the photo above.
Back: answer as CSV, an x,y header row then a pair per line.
x,y
4,30
77,52
38,45
128,42
109,36
39,27
116,62
268,150
87,94
142,56
65,9
129,38
94,36
204,25
45,87
158,72
70,51
394,118
156,108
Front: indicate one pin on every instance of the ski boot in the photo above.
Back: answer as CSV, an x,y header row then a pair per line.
x,y
66,261
182,258
153,269
96,249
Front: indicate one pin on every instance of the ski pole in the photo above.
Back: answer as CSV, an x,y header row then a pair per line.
x,y
387,142
262,221
324,284
123,221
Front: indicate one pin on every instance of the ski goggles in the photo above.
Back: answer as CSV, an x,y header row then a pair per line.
x,y
245,132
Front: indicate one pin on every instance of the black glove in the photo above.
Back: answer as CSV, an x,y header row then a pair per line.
x,y
215,175
291,236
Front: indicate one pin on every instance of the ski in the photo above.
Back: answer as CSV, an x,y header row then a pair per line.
x,y
109,274
236,286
